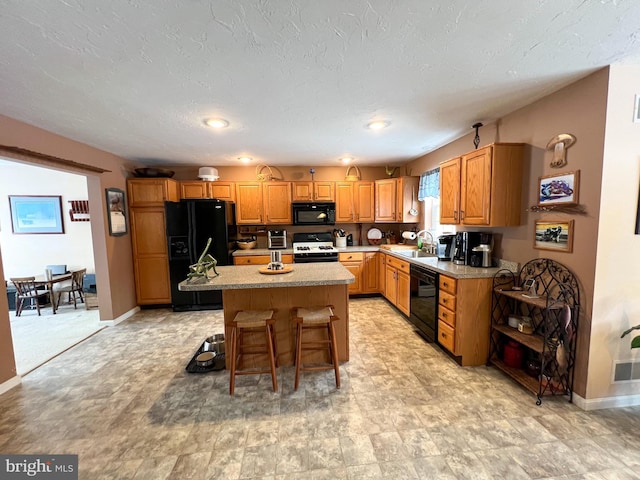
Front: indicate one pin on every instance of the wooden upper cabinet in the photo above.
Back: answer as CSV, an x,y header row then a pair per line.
x,y
151,192
195,189
395,198
201,189
363,199
313,191
223,191
385,200
450,191
488,189
345,206
249,203
277,202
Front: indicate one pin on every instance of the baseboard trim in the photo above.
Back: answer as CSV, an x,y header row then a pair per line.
x,y
121,318
9,384
606,402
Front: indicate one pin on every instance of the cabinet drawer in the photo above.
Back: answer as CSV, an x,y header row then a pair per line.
x,y
447,316
446,336
448,300
252,260
448,284
351,257
397,263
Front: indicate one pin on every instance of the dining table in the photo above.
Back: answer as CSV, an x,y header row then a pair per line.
x,y
42,281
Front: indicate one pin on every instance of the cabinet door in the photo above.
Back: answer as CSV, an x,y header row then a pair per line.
x,y
153,286
450,191
193,189
344,202
385,200
151,265
150,192
324,191
370,272
277,202
249,203
390,284
382,272
222,191
476,187
356,269
302,191
363,197
403,293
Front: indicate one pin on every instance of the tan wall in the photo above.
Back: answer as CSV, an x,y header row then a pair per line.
x,y
616,303
112,255
578,109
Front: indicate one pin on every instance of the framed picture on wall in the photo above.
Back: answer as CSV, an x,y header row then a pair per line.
x,y
116,212
36,214
554,235
559,189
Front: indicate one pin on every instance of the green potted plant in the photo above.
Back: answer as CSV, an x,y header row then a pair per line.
x,y
205,265
635,342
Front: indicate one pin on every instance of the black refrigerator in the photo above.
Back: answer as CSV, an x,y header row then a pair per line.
x,y
190,223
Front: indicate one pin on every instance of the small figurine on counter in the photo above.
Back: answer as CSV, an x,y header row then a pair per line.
x,y
205,264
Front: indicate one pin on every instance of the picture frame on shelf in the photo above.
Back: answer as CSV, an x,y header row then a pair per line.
x,y
36,214
559,189
116,212
556,235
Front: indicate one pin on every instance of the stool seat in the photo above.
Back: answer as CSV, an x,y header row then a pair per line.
x,y
321,317
253,321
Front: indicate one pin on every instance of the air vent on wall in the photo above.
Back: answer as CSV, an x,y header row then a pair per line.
x,y
79,211
626,371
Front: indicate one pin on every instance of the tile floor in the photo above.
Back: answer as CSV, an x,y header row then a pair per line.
x,y
123,402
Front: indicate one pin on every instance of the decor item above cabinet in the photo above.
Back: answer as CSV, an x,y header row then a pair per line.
x,y
484,187
395,200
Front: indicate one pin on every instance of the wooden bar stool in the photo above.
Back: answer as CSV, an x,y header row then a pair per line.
x,y
252,321
310,319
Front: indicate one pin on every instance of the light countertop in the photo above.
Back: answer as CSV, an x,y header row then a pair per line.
x,y
234,277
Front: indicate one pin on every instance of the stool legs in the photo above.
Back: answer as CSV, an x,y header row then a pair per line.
x,y
238,348
330,344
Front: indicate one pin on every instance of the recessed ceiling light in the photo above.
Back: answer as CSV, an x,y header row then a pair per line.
x,y
216,122
245,159
377,125
346,160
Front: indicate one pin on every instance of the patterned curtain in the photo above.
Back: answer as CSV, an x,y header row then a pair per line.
x,y
429,184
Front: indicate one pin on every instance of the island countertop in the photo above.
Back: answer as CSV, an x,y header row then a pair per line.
x,y
235,277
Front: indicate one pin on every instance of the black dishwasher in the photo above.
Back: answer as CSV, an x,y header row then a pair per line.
x,y
424,301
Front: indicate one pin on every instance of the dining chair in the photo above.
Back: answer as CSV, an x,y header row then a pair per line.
x,y
73,289
26,290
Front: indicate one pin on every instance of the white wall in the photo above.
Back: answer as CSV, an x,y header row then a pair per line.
x,y
24,255
616,300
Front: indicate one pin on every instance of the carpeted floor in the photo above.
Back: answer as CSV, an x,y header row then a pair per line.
x,y
37,339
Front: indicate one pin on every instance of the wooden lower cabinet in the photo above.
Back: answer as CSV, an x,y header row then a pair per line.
x,y
398,283
370,272
151,260
354,263
464,318
259,259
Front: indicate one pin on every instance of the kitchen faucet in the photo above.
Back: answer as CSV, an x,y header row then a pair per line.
x,y
429,246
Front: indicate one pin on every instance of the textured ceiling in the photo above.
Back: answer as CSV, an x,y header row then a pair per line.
x,y
297,80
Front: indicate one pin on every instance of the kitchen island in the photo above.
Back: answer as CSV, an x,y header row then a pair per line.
x,y
308,284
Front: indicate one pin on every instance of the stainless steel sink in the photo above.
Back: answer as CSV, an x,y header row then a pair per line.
x,y
415,253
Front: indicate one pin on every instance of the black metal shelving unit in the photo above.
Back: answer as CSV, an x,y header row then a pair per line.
x,y
553,308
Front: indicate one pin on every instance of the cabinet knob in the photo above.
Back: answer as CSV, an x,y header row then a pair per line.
x,y
445,284
444,300
444,314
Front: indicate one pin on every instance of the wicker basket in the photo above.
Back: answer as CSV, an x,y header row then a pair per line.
x,y
262,175
352,178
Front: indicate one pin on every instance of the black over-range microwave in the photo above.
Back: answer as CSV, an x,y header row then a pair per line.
x,y
314,213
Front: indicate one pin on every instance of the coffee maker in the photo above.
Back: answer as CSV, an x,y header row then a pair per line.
x,y
464,244
480,255
445,247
